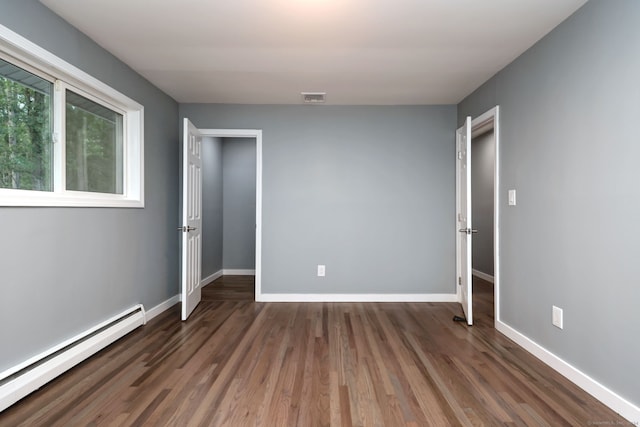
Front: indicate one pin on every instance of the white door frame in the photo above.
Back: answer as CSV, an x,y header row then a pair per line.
x,y
484,122
257,134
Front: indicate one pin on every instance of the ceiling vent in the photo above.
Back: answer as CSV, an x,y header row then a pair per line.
x,y
314,97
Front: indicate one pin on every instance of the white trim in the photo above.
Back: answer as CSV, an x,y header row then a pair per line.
x,y
238,272
29,198
231,133
258,270
483,276
611,399
162,307
33,379
496,214
458,277
358,298
209,279
257,134
70,77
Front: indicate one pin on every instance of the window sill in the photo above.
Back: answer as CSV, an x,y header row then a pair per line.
x,y
24,198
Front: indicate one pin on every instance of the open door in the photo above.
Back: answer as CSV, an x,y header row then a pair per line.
x,y
191,218
464,227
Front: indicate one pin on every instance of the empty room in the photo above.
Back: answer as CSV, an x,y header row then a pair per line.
x,y
319,212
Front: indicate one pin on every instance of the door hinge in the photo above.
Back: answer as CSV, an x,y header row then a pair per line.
x,y
459,155
459,280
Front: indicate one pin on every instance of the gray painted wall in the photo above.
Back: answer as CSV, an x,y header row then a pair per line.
x,y
482,166
367,191
569,145
239,205
63,270
212,214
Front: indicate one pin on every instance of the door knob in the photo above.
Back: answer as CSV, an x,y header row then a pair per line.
x,y
468,230
187,228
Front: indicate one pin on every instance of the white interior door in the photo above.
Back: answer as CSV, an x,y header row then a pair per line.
x,y
464,225
191,218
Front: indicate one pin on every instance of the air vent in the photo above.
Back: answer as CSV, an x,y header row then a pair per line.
x,y
314,97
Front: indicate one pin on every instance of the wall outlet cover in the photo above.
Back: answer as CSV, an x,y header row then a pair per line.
x,y
321,270
557,317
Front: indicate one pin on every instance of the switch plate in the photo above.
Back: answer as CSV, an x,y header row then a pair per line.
x,y
557,317
512,197
321,270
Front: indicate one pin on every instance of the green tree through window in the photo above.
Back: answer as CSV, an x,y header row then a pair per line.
x,y
93,146
25,130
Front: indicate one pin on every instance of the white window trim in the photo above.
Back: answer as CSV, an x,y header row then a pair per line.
x,y
74,79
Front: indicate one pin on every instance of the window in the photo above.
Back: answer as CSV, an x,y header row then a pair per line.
x,y
66,139
93,138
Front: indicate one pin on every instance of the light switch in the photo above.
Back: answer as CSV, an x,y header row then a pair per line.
x,y
512,197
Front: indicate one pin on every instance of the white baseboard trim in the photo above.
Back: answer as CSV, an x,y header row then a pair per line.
x,y
40,374
238,272
207,280
614,401
162,307
357,298
483,276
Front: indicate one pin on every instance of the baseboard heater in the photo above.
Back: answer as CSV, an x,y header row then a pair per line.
x,y
27,377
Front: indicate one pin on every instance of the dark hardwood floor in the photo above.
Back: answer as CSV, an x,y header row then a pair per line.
x,y
241,363
230,288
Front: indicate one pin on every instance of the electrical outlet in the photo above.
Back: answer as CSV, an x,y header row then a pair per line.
x,y
557,317
321,270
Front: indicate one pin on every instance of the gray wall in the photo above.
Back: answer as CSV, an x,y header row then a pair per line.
x,y
239,203
63,270
212,214
367,191
482,167
569,145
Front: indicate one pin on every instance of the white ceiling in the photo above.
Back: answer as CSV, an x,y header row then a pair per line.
x,y
358,51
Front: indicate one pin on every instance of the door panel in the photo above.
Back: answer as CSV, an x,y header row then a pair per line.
x,y
464,223
192,218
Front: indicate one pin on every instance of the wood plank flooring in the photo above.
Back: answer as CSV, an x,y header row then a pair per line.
x,y
230,288
241,363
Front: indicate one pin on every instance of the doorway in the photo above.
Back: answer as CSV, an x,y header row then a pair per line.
x,y
228,218
228,214
238,237
479,235
482,189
